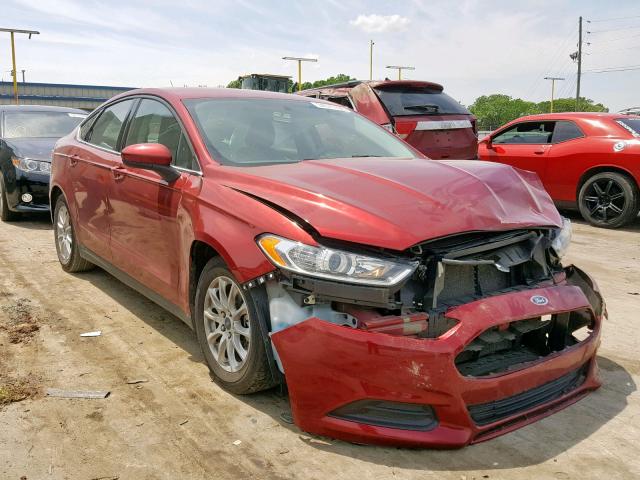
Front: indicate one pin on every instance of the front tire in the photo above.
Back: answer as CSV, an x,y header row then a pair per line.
x,y
608,200
66,240
6,215
229,333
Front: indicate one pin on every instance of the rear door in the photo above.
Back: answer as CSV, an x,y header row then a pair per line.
x,y
145,209
430,120
524,145
90,164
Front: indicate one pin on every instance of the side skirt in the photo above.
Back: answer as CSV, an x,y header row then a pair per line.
x,y
136,285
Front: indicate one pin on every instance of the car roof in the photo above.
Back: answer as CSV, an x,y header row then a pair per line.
x,y
574,115
39,108
177,93
380,84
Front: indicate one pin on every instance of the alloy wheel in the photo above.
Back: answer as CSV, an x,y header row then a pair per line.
x,y
226,324
605,199
64,234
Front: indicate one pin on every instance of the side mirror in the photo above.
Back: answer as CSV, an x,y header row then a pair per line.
x,y
150,156
488,143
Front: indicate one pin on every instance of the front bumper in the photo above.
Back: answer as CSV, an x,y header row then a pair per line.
x,y
35,184
329,366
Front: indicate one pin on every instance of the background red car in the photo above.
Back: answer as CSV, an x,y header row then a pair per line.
x,y
586,160
418,112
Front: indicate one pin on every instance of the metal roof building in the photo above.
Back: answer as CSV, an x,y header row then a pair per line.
x,y
86,97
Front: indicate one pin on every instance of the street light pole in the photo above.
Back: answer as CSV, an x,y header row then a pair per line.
x,y
553,88
300,60
400,68
23,70
371,44
14,72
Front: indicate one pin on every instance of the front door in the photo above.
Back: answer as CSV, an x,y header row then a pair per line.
x,y
524,145
145,209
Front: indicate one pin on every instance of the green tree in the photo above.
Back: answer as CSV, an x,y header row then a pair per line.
x,y
569,105
495,110
235,84
340,78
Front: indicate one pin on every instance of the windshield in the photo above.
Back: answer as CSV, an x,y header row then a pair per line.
x,y
40,124
267,131
631,124
419,101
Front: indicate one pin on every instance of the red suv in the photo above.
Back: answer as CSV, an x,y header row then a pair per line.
x,y
404,301
586,160
419,112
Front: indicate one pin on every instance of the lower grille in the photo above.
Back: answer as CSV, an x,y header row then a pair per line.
x,y
485,413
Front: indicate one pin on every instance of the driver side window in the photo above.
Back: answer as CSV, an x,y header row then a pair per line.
x,y
153,122
526,133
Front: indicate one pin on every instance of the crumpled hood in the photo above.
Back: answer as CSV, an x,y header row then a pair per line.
x,y
36,148
396,203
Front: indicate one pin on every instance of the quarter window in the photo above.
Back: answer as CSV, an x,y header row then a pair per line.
x,y
155,123
105,132
526,133
565,130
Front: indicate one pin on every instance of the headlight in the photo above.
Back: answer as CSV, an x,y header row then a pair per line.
x,y
338,265
562,238
31,165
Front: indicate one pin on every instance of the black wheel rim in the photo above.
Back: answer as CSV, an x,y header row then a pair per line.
x,y
605,200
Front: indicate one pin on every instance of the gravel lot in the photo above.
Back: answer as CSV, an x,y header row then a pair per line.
x,y
177,424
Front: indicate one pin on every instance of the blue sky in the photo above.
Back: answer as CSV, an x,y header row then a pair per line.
x,y
473,47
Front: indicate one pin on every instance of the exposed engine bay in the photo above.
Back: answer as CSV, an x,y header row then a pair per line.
x,y
450,271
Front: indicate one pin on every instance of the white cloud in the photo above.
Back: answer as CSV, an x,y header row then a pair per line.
x,y
380,23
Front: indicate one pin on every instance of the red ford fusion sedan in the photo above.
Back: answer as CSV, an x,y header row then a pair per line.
x,y
586,160
403,301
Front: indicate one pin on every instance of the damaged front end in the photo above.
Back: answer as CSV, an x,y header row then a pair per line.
x,y
454,341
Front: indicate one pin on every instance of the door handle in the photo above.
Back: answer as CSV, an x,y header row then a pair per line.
x,y
118,173
539,152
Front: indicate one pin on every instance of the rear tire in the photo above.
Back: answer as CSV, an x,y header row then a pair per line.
x,y
229,333
66,240
6,215
609,200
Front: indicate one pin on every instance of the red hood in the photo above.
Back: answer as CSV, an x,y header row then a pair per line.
x,y
396,203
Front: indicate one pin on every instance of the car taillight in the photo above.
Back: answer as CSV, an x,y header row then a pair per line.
x,y
404,129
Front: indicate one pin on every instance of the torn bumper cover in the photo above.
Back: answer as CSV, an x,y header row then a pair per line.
x,y
368,387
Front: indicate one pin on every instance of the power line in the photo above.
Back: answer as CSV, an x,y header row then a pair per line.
x,y
615,69
613,49
618,38
612,19
615,29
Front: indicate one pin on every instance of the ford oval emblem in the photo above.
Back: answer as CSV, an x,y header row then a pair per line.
x,y
539,300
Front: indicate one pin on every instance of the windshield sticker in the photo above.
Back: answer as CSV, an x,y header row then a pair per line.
x,y
328,106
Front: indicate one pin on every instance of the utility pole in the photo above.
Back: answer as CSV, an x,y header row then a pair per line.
x,y
371,44
14,72
553,89
400,68
300,60
579,64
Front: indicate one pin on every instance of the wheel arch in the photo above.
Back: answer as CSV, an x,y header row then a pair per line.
x,y
602,169
54,194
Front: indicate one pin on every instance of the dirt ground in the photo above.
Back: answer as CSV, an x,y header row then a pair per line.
x,y
176,424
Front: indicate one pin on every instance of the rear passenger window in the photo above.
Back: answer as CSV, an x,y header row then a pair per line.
x,y
153,122
106,129
565,130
